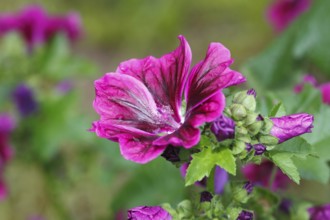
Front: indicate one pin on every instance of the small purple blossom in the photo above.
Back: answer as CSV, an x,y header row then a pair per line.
x,y
148,213
259,149
24,99
285,205
220,178
319,212
245,215
290,126
140,105
325,90
252,92
248,186
282,12
307,79
261,175
248,147
223,128
206,196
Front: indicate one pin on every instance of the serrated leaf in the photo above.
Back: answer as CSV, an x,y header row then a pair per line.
x,y
297,146
204,161
285,163
278,110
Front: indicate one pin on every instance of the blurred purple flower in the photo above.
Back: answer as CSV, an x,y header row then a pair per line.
x,y
307,79
320,212
24,100
7,125
248,186
261,175
325,90
290,126
220,178
140,105
223,128
282,12
245,215
37,27
285,205
148,213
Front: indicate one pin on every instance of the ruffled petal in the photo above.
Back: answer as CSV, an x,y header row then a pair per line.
x,y
124,100
211,75
164,77
207,111
186,136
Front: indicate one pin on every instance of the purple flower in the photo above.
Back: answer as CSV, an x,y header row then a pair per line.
x,y
206,196
223,128
287,127
141,103
148,213
261,175
245,215
285,205
24,100
282,12
259,149
220,178
6,127
320,212
248,186
37,27
325,90
307,79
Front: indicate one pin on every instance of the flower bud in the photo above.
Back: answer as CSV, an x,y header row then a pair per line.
x,y
259,149
148,212
248,187
238,111
255,127
268,125
268,140
287,127
251,118
247,99
206,196
238,147
245,215
223,128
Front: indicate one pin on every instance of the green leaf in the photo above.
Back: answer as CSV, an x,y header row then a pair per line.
x,y
297,146
285,163
278,110
204,161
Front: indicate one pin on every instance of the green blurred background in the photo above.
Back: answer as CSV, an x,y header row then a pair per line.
x,y
98,181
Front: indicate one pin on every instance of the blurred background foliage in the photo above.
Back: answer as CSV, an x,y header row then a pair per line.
x,y
74,175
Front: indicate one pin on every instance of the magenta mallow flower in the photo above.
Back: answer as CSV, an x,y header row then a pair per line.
x,y
223,128
307,79
325,90
282,12
245,215
141,104
261,175
37,27
6,127
289,126
319,212
220,178
148,213
25,101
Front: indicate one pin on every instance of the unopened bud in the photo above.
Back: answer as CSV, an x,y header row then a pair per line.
x,y
238,147
268,140
259,149
255,127
246,98
238,111
251,118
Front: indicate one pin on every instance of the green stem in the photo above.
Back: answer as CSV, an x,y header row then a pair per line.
x,y
210,181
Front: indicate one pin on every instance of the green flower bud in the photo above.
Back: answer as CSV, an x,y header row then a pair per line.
x,y
250,118
240,130
255,127
240,194
238,111
185,208
238,147
243,137
268,140
246,99
239,97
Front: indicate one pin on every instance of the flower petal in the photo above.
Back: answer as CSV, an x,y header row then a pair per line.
x,y
125,101
186,136
135,145
211,75
164,77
